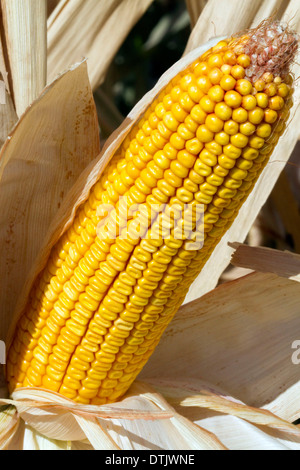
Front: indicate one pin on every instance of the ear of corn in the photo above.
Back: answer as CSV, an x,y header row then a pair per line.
x,y
99,308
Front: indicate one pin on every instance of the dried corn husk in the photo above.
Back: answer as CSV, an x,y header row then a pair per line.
x,y
25,34
93,29
53,142
216,21
238,337
263,259
8,116
195,7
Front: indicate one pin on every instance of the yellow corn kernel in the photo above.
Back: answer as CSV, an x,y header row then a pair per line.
x,y
227,83
239,115
249,102
233,99
214,123
262,100
216,93
215,76
223,111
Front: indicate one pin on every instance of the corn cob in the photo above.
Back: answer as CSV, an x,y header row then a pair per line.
x,y
100,306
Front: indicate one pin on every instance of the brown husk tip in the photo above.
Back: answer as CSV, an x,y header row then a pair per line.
x,y
272,47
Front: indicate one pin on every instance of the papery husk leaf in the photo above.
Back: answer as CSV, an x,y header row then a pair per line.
x,y
28,398
57,418
3,62
26,40
9,423
238,337
54,141
292,14
80,191
195,7
81,445
97,436
93,29
195,393
238,434
8,116
216,19
196,437
286,404
270,8
267,260
36,441
176,433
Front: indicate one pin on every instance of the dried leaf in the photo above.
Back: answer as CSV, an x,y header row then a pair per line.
x,y
8,425
266,260
176,433
97,436
238,337
216,19
53,142
292,14
195,437
25,32
8,116
56,417
195,8
238,434
195,393
274,8
3,58
93,29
